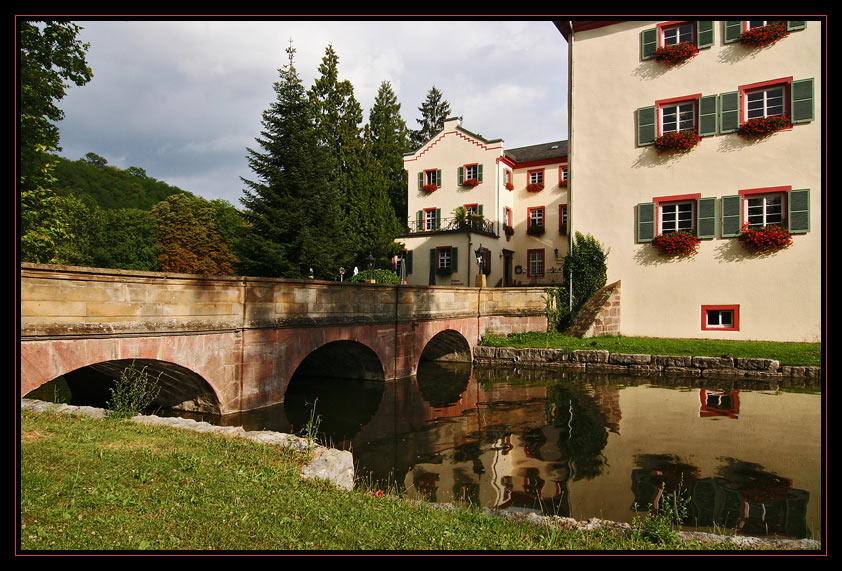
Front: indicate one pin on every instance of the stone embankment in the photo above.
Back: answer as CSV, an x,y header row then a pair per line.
x,y
335,466
603,361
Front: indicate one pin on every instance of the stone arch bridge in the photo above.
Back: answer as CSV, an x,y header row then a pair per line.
x,y
228,344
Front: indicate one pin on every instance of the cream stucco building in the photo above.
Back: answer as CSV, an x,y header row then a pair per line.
x,y
625,193
470,194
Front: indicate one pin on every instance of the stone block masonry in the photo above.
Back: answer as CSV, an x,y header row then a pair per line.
x,y
629,363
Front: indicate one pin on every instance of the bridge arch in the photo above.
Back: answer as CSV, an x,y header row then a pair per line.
x,y
447,345
343,358
179,387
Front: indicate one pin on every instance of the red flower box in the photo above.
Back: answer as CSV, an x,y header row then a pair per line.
x,y
763,126
429,187
677,244
765,35
510,186
765,239
562,184
676,53
535,186
471,182
677,142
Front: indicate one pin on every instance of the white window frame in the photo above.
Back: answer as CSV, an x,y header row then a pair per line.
x,y
680,31
539,219
720,323
443,257
536,177
429,219
688,222
764,100
679,111
430,177
536,263
471,172
760,205
564,173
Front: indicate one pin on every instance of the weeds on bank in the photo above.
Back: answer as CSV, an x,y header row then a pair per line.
x,y
132,393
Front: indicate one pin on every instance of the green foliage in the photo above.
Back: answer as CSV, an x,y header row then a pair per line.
x,y
380,277
661,523
109,186
126,240
132,393
434,110
50,55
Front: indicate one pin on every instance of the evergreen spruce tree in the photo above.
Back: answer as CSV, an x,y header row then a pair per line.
x,y
434,111
387,138
293,210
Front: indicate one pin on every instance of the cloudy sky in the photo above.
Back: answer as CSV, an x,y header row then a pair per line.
x,y
183,99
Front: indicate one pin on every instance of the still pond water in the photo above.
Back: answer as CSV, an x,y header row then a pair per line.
x,y
747,455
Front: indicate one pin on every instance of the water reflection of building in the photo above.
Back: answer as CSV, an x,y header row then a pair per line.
x,y
719,403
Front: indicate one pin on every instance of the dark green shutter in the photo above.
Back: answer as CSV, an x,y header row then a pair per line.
x,y
438,218
479,173
420,180
793,25
706,217
460,175
645,126
732,215
438,178
646,219
704,33
454,259
434,261
733,29
479,209
729,112
487,265
799,211
707,115
419,220
648,43
408,258
802,101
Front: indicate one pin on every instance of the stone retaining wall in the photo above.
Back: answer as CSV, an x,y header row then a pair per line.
x,y
601,360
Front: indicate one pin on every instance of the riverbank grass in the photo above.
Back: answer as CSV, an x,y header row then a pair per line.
x,y
791,354
101,485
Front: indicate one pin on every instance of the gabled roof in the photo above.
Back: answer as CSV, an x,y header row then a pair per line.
x,y
552,150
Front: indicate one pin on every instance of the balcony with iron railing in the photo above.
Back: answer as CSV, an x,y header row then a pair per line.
x,y
471,223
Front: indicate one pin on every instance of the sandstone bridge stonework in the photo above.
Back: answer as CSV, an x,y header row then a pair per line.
x,y
226,344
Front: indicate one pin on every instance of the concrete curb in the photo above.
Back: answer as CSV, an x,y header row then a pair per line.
x,y
335,466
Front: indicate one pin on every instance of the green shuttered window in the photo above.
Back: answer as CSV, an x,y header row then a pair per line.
x,y
802,101
708,119
706,217
646,221
732,215
646,125
648,43
704,33
729,112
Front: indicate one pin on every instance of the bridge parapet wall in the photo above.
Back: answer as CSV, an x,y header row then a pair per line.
x,y
59,301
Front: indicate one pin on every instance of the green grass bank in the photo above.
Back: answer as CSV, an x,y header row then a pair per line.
x,y
100,485
789,354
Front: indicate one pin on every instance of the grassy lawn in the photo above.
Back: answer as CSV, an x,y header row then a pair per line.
x,y
92,484
794,354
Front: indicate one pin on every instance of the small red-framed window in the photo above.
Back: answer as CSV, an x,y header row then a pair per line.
x,y
471,172
508,217
677,114
431,176
765,206
535,216
677,212
563,173
444,257
535,263
720,318
676,32
535,176
765,99
429,220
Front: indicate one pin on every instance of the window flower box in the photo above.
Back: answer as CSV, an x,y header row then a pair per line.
x,y
535,230
535,186
682,243
429,187
444,272
765,239
763,126
508,231
764,35
676,53
470,183
677,142
562,184
510,186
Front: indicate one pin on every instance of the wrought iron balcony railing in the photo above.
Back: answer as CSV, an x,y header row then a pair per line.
x,y
454,224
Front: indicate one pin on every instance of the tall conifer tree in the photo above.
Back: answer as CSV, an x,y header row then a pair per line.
x,y
387,137
292,207
434,111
